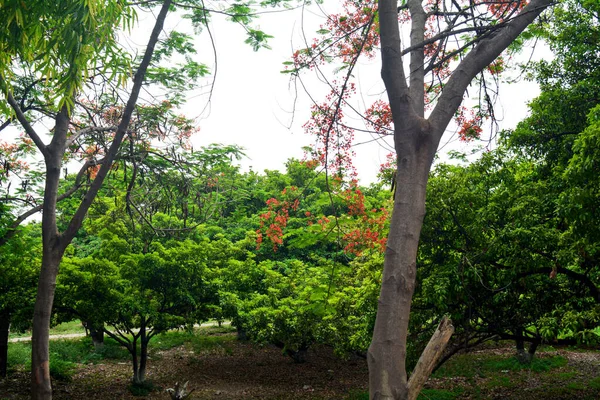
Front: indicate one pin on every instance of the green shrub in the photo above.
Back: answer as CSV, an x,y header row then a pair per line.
x,y
60,369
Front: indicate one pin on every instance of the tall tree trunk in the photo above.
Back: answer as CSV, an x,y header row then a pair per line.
x,y
4,332
55,243
52,252
40,356
416,140
143,353
387,353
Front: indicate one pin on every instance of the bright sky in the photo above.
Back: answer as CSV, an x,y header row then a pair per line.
x,y
256,107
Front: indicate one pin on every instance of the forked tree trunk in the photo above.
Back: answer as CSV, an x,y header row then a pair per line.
x,y
55,243
4,332
416,140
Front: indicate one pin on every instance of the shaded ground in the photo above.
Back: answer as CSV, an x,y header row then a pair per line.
x,y
237,370
234,371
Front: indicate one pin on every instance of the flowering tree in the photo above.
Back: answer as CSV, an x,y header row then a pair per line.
x,y
450,44
54,52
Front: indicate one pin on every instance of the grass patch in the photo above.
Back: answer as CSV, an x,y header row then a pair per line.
x,y
595,383
196,341
536,365
64,354
500,382
438,394
19,356
468,365
67,328
575,386
565,376
60,369
61,329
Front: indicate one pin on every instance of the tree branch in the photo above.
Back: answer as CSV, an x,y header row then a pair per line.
x,y
138,80
482,55
25,123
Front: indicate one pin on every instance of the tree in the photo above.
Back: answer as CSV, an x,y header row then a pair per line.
x,y
19,267
64,47
138,294
451,43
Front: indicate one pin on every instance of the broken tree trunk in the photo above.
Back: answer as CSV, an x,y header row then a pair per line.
x,y
428,360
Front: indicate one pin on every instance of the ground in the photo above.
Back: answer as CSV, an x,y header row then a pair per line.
x,y
230,369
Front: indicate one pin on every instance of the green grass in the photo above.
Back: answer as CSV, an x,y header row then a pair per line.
x,y
196,341
500,381
439,394
61,329
469,365
595,383
512,364
64,355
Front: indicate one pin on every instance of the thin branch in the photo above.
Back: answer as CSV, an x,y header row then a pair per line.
x,y
25,123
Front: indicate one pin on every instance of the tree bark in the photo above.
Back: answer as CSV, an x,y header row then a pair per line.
x,y
429,357
4,332
387,352
40,356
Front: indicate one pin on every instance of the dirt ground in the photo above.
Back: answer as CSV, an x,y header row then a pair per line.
x,y
247,371
240,371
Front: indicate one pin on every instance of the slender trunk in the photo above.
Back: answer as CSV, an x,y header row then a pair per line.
x,y
143,353
40,357
52,252
134,360
97,336
4,331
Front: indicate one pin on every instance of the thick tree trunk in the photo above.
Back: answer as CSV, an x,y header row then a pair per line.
x,y
4,331
387,353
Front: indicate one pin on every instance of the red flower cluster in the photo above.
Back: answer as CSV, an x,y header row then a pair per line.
x,y
274,221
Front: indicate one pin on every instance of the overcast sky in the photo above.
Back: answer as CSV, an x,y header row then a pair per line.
x,y
256,107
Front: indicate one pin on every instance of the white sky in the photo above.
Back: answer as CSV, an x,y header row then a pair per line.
x,y
253,103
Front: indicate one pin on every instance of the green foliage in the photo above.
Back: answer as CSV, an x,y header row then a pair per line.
x,y
62,42
19,269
